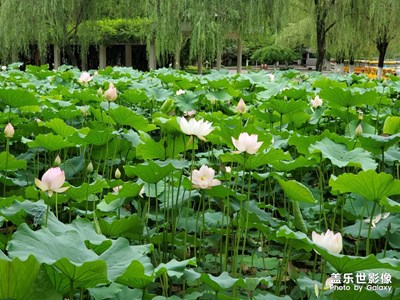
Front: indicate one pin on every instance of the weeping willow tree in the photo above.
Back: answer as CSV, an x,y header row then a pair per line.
x,y
346,41
324,15
26,23
382,26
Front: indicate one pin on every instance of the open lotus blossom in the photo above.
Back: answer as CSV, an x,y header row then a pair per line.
x,y
204,178
9,130
376,219
189,113
241,107
247,143
85,77
52,181
141,193
111,93
117,188
316,102
180,92
199,128
271,77
330,241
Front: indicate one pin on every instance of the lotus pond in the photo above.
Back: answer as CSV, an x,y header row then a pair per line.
x,y
120,184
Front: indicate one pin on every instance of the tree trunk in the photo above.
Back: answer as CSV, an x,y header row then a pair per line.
x,y
239,55
200,62
320,19
57,57
102,57
177,57
128,55
71,55
152,55
219,58
381,45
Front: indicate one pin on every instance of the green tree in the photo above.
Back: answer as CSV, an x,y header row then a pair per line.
x,y
42,23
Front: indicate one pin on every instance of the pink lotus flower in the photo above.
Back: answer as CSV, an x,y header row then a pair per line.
x,y
9,130
111,93
52,181
247,143
330,241
204,178
85,77
316,102
198,128
241,107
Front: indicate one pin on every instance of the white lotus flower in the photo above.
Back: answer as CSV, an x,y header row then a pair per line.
x,y
204,178
330,241
85,77
247,143
199,128
316,102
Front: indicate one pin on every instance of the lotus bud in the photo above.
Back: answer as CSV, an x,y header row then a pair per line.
x,y
117,173
241,107
228,169
167,106
89,168
359,130
99,92
111,93
9,131
57,161
360,115
3,68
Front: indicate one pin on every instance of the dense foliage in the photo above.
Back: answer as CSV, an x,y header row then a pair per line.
x,y
176,189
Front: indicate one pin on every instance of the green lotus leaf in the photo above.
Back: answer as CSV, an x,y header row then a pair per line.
x,y
125,116
391,125
342,98
340,156
17,277
149,172
9,163
368,184
59,127
377,143
297,191
221,282
174,268
50,142
286,107
83,191
158,94
122,227
17,97
186,102
115,291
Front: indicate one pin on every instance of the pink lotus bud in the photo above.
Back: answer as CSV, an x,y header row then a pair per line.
x,y
111,93
241,107
9,131
180,92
